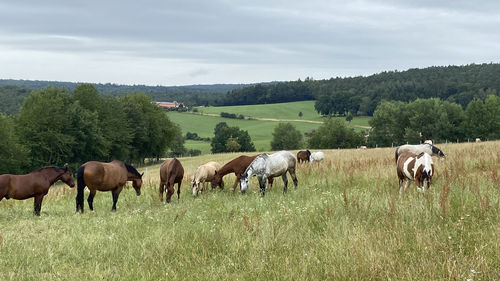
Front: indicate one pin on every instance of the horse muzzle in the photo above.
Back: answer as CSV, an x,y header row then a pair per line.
x,y
138,193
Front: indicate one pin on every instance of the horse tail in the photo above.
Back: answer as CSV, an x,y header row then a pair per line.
x,y
80,187
396,155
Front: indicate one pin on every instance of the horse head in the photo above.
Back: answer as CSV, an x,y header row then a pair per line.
x,y
217,181
67,177
244,182
137,183
194,186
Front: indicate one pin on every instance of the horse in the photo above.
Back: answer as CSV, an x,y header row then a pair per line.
x,y
317,156
105,177
417,167
303,156
237,166
204,174
171,172
35,184
265,166
419,148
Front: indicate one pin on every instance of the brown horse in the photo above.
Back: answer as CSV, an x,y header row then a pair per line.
x,y
105,177
303,156
171,172
35,184
237,166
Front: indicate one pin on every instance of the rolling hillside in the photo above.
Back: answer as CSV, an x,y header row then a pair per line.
x,y
264,119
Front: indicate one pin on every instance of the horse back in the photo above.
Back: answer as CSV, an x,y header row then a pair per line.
x,y
171,170
104,175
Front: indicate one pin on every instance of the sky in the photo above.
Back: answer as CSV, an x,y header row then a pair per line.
x,y
189,42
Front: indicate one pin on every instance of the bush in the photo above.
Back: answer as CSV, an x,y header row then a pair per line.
x,y
286,136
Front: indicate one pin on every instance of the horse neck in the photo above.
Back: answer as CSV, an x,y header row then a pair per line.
x,y
51,174
226,169
131,176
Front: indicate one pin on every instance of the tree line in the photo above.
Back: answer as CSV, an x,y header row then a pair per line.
x,y
56,127
335,96
396,122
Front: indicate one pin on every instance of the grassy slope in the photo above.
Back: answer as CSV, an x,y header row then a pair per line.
x,y
345,221
260,131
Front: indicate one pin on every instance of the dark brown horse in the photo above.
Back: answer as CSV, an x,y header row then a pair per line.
x,y
237,166
35,184
105,177
303,156
171,173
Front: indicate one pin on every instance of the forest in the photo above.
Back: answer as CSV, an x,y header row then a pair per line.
x,y
58,127
335,96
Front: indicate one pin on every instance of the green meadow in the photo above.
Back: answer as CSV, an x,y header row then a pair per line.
x,y
345,221
265,118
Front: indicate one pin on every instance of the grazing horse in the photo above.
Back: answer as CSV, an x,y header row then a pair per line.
x,y
303,156
237,166
419,148
317,156
171,172
265,166
105,177
417,167
204,174
35,184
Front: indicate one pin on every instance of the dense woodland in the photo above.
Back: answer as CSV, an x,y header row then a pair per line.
x,y
57,127
335,96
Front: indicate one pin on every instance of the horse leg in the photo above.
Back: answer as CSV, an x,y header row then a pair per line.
x,y
236,182
170,191
115,193
37,206
178,190
262,184
90,199
162,188
294,178
285,183
270,182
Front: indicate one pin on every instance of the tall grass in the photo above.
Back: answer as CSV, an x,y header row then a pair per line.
x,y
345,221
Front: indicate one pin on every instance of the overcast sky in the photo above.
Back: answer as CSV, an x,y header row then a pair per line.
x,y
234,41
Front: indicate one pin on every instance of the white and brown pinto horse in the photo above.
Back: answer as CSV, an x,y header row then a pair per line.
x,y
419,148
265,166
415,167
204,174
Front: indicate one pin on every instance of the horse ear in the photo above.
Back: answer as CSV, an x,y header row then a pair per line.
x,y
215,172
142,174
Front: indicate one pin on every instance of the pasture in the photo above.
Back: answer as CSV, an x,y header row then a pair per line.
x,y
345,221
203,123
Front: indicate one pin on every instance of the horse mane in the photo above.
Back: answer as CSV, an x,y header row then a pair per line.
x,y
57,168
131,169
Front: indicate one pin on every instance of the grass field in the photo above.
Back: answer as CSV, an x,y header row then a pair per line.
x,y
345,221
260,130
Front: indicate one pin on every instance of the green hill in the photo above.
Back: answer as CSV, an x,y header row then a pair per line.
x,y
264,118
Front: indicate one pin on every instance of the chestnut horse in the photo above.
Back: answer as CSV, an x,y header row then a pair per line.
x,y
237,166
105,177
171,172
35,184
303,156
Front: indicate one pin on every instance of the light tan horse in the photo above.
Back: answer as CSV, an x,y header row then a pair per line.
x,y
204,174
171,172
105,177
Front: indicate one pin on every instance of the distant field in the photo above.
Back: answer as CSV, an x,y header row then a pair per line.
x,y
260,130
345,221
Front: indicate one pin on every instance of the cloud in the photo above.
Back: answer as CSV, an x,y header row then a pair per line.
x,y
239,41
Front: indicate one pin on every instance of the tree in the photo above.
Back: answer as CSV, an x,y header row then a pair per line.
x,y
286,136
223,132
232,145
335,134
300,114
349,117
12,153
43,124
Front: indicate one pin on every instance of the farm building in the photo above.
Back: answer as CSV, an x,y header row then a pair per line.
x,y
169,105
